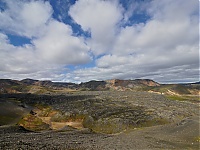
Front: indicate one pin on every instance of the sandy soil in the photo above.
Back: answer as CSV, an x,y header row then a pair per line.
x,y
60,125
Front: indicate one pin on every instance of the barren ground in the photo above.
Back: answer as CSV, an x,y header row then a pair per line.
x,y
181,131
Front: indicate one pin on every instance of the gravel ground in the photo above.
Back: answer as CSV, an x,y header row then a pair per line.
x,y
172,136
181,133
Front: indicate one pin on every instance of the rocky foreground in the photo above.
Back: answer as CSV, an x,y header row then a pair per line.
x,y
106,120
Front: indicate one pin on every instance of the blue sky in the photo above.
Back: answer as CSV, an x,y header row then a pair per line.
x,y
82,40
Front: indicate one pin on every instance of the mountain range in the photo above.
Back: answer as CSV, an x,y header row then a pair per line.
x,y
49,87
59,115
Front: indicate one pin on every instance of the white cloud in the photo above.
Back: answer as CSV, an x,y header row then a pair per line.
x,y
35,14
162,33
23,62
164,48
161,73
169,40
100,18
25,18
59,46
173,10
108,61
17,59
51,50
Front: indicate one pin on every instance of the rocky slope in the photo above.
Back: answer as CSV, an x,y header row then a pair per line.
x,y
109,119
112,114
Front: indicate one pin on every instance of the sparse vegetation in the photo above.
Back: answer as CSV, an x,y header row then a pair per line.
x,y
64,113
194,99
33,123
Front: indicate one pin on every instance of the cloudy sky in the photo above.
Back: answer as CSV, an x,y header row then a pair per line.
x,y
82,40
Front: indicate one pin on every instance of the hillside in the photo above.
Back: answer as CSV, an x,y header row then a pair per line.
x,y
98,114
45,87
97,120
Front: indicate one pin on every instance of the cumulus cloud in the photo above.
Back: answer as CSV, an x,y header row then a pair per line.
x,y
100,18
25,18
153,49
53,45
17,59
59,46
23,62
164,47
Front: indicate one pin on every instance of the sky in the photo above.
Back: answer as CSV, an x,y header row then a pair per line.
x,y
82,40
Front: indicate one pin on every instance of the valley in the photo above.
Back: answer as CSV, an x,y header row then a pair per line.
x,y
115,114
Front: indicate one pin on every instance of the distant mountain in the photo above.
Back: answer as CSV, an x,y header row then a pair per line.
x,y
93,85
47,83
42,87
33,86
195,83
137,83
29,81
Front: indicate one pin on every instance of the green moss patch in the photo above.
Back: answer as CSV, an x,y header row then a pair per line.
x,y
174,97
184,98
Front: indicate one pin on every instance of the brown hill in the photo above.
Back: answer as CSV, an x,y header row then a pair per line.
x,y
131,83
44,87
